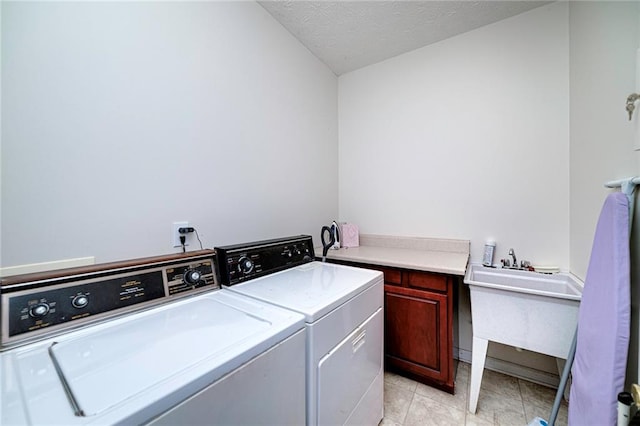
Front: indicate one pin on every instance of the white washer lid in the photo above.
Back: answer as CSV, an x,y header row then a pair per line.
x,y
109,366
313,289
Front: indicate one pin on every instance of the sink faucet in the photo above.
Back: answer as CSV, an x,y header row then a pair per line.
x,y
512,253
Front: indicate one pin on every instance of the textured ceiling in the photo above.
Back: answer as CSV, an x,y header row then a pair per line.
x,y
347,35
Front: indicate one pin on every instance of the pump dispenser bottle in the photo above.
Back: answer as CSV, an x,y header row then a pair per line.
x,y
489,249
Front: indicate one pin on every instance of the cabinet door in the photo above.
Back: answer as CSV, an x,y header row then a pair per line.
x,y
416,332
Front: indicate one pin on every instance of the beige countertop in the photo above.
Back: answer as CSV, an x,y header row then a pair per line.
x,y
423,254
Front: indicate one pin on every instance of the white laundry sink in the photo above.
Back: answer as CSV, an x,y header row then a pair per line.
x,y
559,285
528,310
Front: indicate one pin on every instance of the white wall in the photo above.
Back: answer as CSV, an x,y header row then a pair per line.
x,y
120,118
466,138
604,39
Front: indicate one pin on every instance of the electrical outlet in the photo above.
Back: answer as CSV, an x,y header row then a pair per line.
x,y
175,235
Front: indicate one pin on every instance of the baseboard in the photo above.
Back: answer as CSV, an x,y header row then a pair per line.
x,y
516,370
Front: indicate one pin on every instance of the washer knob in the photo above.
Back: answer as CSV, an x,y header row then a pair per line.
x,y
80,301
245,265
39,310
192,276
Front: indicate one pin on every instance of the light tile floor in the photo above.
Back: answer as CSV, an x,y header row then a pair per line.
x,y
503,400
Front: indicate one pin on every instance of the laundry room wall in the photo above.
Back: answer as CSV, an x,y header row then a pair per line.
x,y
467,138
119,118
604,40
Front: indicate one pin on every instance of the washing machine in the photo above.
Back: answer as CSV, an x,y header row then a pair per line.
x,y
343,310
152,341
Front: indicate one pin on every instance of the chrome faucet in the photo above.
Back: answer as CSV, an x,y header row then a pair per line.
x,y
512,253
524,265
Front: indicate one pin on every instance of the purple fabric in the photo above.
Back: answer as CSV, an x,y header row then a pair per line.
x,y
603,321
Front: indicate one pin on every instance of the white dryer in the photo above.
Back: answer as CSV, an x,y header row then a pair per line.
x,y
343,309
212,357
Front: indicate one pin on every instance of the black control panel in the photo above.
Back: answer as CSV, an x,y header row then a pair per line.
x,y
186,277
241,262
44,306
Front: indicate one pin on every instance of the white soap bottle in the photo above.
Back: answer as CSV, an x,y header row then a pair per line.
x,y
489,249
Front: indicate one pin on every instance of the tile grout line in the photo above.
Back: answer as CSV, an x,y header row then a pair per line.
x,y
404,419
524,411
466,401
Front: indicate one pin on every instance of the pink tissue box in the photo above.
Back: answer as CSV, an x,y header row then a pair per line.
x,y
350,235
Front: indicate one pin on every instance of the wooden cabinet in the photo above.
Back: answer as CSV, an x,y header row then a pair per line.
x,y
418,324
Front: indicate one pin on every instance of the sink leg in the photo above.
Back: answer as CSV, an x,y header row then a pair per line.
x,y
478,357
560,364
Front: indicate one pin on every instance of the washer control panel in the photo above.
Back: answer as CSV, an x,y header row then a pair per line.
x,y
241,262
42,306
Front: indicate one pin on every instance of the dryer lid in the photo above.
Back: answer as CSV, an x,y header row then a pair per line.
x,y
313,289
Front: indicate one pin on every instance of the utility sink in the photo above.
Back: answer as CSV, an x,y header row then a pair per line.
x,y
560,285
528,310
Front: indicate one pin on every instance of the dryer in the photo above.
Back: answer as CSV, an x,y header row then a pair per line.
x,y
147,342
343,310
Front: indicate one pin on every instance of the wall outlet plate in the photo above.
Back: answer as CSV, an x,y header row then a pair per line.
x,y
175,235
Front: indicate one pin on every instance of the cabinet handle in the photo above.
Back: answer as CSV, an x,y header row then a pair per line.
x,y
359,341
